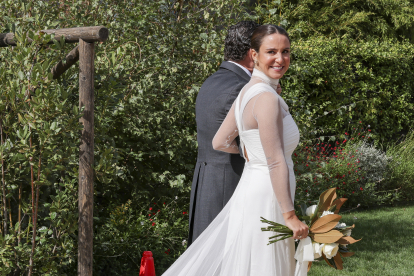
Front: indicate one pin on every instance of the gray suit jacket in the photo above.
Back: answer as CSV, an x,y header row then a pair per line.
x,y
216,173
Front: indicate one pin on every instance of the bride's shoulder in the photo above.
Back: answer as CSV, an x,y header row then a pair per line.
x,y
267,96
259,88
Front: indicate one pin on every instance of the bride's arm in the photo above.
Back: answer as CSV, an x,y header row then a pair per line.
x,y
268,114
224,140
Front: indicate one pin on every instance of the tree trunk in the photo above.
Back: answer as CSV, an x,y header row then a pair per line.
x,y
3,184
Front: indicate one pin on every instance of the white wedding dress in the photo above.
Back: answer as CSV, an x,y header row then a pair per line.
x,y
233,244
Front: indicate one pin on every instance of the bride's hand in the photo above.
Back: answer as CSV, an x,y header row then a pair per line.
x,y
300,230
279,89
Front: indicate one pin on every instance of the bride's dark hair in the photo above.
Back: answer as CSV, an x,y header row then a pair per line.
x,y
263,31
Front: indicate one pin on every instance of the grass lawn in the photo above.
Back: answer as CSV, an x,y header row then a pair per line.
x,y
387,245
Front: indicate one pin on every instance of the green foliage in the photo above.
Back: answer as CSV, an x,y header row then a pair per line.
x,y
129,230
333,84
147,76
356,19
39,122
401,173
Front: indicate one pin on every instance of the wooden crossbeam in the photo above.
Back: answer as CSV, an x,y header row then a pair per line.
x,y
61,67
71,35
85,53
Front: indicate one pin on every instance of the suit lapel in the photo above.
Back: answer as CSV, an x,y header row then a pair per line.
x,y
236,69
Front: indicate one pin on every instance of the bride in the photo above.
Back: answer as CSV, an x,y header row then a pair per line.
x,y
233,244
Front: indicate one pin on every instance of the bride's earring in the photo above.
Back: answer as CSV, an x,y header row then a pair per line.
x,y
255,62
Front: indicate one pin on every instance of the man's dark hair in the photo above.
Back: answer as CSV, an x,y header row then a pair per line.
x,y
237,42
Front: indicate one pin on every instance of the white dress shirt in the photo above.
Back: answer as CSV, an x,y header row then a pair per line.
x,y
244,68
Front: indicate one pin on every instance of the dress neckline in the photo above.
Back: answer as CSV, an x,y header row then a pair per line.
x,y
272,83
259,74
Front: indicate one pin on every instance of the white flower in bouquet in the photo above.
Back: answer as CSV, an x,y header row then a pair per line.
x,y
330,249
317,250
340,225
310,210
327,213
347,232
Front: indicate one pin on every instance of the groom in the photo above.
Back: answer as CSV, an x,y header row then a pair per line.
x,y
217,173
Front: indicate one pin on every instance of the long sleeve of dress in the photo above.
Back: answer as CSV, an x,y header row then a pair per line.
x,y
224,140
268,113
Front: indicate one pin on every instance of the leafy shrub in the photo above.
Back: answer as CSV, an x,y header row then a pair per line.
x,y
339,19
373,162
122,237
400,176
39,126
146,78
333,84
354,166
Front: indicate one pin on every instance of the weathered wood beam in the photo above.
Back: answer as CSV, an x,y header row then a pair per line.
x,y
85,203
71,35
61,67
5,39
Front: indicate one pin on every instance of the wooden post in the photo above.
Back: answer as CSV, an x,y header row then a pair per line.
x,y
86,98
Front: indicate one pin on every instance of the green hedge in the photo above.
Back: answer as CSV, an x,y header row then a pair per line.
x,y
333,84
146,80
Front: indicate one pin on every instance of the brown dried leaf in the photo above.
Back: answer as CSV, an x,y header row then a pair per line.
x,y
347,254
309,265
350,227
325,223
328,237
326,199
339,202
326,260
347,240
338,261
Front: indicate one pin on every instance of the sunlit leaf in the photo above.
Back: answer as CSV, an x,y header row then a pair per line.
x,y
325,223
328,237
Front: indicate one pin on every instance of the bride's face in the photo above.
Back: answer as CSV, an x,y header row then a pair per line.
x,y
273,57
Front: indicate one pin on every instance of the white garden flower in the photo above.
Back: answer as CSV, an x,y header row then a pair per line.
x,y
310,210
330,249
326,213
317,249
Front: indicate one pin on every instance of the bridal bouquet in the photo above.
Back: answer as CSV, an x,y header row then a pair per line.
x,y
327,239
